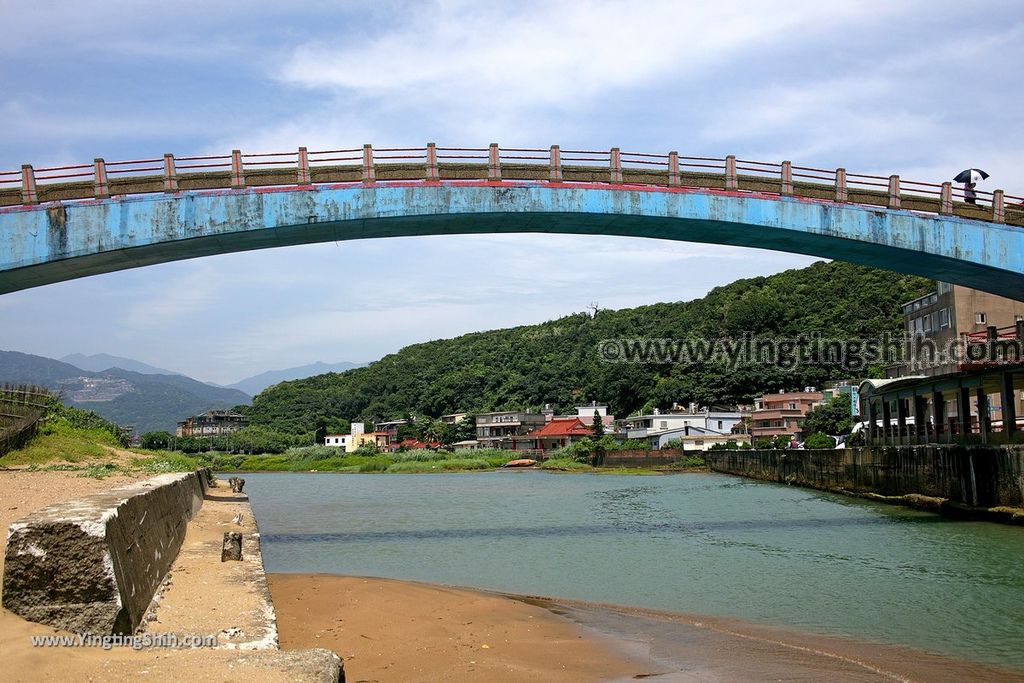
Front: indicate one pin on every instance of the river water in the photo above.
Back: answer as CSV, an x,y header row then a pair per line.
x,y
696,543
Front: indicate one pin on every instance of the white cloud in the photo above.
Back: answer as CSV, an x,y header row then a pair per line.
x,y
553,53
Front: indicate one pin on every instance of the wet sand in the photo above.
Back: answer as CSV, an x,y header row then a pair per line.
x,y
388,630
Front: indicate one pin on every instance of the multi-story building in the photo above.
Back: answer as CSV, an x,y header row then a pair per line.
x,y
495,430
949,315
782,413
212,423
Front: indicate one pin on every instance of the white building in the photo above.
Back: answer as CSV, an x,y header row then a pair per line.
x,y
694,438
659,422
347,442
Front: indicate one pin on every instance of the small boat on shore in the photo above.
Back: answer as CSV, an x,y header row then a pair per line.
x,y
522,462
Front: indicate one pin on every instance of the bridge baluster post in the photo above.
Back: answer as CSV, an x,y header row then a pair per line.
x,y
673,169
170,174
998,207
946,199
787,178
29,194
432,173
237,171
615,164
369,175
894,192
493,163
842,195
100,187
555,165
304,177
731,182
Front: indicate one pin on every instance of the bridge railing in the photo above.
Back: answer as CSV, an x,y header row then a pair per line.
x,y
367,164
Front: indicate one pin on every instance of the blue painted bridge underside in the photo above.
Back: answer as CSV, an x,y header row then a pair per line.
x,y
46,244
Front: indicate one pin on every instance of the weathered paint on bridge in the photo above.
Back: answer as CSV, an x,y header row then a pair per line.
x,y
56,242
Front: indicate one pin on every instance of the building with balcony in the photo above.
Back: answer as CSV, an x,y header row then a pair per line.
x,y
782,413
951,317
212,423
497,429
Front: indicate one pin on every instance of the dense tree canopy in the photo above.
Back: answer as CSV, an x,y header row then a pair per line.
x,y
558,362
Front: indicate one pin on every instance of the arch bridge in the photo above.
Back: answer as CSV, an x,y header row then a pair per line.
x,y
66,222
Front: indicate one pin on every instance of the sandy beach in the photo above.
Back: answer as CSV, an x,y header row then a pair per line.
x,y
388,630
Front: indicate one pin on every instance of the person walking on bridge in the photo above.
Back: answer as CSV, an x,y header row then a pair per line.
x,y
970,178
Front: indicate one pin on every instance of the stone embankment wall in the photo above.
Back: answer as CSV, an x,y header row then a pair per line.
x,y
976,476
92,565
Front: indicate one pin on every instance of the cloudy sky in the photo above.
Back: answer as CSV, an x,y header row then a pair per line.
x,y
923,89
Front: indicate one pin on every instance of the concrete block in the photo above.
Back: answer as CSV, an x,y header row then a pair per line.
x,y
92,565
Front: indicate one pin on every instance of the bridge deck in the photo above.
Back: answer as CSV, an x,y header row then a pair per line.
x,y
288,169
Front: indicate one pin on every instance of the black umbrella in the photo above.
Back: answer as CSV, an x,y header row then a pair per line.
x,y
970,176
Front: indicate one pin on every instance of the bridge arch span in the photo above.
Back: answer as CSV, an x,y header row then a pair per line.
x,y
53,242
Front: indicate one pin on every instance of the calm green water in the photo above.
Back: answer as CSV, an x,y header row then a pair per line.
x,y
710,544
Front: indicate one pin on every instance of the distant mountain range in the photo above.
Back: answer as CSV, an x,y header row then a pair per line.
x,y
147,401
257,383
98,362
131,392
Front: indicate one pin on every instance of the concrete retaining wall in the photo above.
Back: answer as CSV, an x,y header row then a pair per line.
x,y
92,565
972,475
642,458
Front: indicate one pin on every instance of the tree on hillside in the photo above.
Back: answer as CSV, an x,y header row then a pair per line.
x,y
832,417
599,446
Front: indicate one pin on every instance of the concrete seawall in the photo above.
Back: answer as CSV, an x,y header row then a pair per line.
x,y
92,565
974,476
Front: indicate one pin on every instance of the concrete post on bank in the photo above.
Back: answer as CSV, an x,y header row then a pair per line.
x,y
984,419
918,410
555,165
901,420
615,166
731,180
170,174
303,175
100,186
842,194
237,170
1006,397
673,169
433,175
938,414
894,192
963,407
494,163
787,178
369,175
29,193
886,421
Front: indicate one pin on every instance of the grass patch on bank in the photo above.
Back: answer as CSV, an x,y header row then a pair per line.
x,y
59,441
565,465
326,459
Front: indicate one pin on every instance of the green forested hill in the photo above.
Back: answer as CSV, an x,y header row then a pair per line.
x,y
558,362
